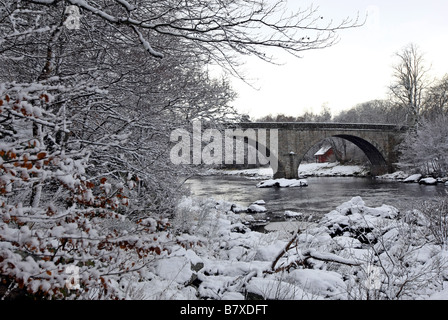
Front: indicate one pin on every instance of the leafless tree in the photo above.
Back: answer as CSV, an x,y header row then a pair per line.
x,y
436,102
411,82
374,111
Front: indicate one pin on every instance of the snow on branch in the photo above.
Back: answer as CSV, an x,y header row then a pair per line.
x,y
328,257
127,5
304,255
224,28
146,44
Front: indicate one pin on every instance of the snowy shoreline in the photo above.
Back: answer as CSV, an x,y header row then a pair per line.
x,y
353,252
414,178
333,169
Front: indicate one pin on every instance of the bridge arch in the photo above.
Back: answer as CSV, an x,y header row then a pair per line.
x,y
261,154
372,151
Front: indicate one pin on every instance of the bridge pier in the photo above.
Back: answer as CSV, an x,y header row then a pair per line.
x,y
288,166
376,170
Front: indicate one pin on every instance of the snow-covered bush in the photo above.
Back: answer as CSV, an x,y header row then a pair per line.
x,y
435,217
85,119
190,216
426,149
55,219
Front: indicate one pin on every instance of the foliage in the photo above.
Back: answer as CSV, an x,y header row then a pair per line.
x,y
426,150
71,219
85,118
435,216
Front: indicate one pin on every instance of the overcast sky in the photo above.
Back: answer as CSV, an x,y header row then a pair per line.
x,y
358,68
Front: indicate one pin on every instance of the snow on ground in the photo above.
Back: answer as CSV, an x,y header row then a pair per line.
x,y
256,172
331,169
354,252
305,169
398,175
414,178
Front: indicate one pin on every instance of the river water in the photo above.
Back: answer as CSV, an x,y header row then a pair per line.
x,y
322,194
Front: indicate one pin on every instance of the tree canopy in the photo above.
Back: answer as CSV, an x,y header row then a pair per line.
x,y
89,92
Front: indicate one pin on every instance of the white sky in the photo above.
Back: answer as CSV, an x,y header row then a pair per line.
x,y
358,68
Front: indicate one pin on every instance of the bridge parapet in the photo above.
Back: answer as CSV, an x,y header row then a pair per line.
x,y
321,126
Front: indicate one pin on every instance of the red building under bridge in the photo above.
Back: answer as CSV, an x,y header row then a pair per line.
x,y
325,154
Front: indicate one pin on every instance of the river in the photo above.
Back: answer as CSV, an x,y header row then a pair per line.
x,y
322,194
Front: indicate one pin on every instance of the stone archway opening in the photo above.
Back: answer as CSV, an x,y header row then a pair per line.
x,y
247,153
369,152
378,164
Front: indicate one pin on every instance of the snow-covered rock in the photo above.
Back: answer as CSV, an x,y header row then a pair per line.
x,y
325,260
413,178
319,282
176,269
428,181
347,242
283,183
292,214
355,219
285,229
441,295
270,252
398,175
274,289
256,208
238,208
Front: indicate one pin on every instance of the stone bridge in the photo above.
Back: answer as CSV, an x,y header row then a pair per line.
x,y
379,142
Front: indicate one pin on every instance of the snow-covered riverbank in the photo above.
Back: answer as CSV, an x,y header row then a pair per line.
x,y
354,252
305,169
414,178
333,169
